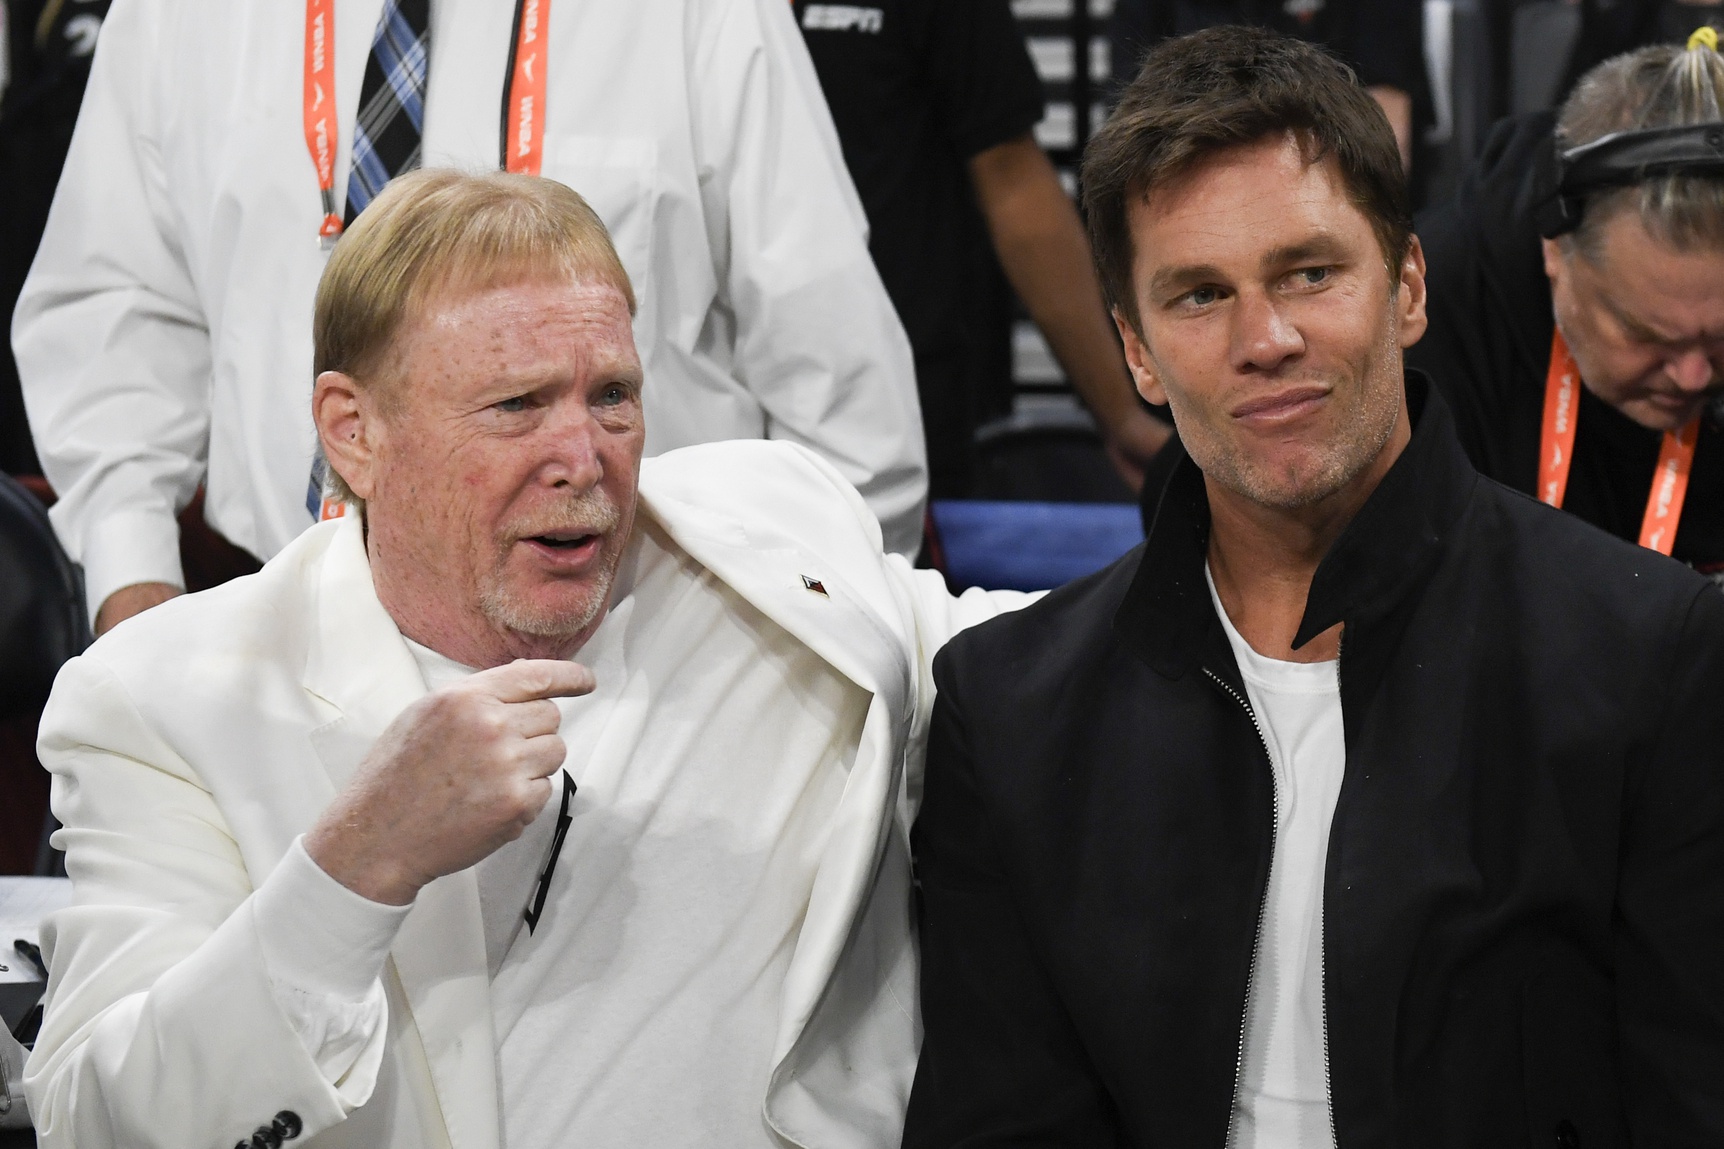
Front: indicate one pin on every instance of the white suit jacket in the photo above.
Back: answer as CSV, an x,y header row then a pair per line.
x,y
191,745
164,335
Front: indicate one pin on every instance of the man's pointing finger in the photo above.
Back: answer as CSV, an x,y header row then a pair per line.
x,y
530,679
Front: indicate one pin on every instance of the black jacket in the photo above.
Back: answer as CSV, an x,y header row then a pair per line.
x,y
1524,896
1488,349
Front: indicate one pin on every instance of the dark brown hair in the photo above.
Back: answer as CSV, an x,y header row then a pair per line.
x,y
1224,88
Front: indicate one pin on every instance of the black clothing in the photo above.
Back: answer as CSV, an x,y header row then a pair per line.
x,y
917,88
1488,349
1524,894
50,48
1383,40
1611,27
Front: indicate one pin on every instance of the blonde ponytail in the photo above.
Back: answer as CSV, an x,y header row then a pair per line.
x,y
1661,86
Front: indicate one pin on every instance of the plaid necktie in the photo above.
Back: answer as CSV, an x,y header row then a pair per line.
x,y
386,138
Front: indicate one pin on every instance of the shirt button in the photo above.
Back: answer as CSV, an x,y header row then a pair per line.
x,y
287,1125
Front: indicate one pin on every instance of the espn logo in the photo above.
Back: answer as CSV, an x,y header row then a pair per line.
x,y
842,18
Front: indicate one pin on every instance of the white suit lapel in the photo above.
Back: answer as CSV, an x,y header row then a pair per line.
x,y
833,617
360,664
835,620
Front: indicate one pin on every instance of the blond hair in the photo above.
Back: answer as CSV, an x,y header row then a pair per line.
x,y
1661,86
437,233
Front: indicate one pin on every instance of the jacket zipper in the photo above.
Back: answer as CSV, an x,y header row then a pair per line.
x,y
1262,904
1323,947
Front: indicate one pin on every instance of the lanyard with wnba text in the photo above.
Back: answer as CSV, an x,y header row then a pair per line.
x,y
523,130
524,92
320,123
1556,452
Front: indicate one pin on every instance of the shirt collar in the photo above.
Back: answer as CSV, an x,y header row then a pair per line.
x,y
1397,536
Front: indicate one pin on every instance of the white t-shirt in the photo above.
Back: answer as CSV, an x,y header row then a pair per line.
x,y
709,760
1283,1098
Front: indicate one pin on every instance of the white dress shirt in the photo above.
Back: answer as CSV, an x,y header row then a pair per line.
x,y
1283,1097
164,335
642,1008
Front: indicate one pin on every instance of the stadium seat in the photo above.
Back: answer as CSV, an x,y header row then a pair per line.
x,y
1030,546
42,620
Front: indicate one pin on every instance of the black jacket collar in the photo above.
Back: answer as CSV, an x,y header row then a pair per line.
x,y
1381,558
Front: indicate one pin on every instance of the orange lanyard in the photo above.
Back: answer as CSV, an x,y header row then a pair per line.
x,y
320,122
523,99
1556,452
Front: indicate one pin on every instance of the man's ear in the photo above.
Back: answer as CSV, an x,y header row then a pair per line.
x,y
1138,359
1410,300
1556,266
348,425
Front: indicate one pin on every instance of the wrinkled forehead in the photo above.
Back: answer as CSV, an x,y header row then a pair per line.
x,y
441,288
1242,208
1670,292
517,322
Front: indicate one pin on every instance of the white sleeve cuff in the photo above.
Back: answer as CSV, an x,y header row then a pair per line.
x,y
324,947
320,936
124,548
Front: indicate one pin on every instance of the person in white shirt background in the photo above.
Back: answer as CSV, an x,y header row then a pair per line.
x,y
293,806
163,338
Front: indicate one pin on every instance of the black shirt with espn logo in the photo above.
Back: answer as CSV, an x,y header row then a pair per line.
x,y
917,88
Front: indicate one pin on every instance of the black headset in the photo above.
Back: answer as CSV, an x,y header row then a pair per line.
x,y
1621,159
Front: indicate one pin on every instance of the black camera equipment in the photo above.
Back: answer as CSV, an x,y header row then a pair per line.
x,y
1621,159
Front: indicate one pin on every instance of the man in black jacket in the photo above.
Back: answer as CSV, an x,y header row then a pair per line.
x,y
1369,803
1630,272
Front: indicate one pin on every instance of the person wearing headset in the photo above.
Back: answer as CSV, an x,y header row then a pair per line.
x,y
1577,302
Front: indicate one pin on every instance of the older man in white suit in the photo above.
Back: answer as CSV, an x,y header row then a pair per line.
x,y
546,798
